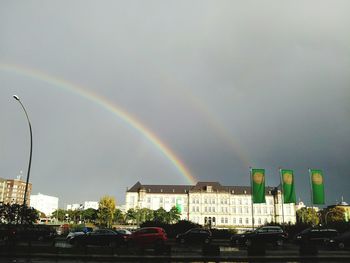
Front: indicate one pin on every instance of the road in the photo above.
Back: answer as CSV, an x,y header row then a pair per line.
x,y
61,251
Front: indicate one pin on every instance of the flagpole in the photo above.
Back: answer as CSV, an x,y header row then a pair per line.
x,y
312,197
282,194
310,181
251,194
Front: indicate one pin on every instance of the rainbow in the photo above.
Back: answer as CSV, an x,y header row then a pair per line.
x,y
214,122
108,106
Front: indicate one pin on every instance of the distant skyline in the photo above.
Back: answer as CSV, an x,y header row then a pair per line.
x,y
174,93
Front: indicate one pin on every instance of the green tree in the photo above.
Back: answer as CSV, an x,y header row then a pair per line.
x,y
161,215
89,215
74,215
15,214
106,211
131,216
307,216
334,215
59,214
174,215
119,217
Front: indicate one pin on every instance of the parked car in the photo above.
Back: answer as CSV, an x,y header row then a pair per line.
x,y
268,234
316,236
195,236
123,232
71,235
101,237
239,239
148,237
341,241
27,232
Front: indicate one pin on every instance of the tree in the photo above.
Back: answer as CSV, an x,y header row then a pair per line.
x,y
74,215
89,215
161,215
307,216
106,211
131,215
174,215
59,214
334,215
119,217
13,213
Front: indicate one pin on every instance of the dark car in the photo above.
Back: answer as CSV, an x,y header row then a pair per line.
x,y
239,239
195,236
341,241
148,237
316,236
99,237
27,233
266,234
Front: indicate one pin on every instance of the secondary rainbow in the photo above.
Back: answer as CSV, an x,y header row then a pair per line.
x,y
107,105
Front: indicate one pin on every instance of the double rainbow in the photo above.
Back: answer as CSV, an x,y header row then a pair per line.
x,y
108,106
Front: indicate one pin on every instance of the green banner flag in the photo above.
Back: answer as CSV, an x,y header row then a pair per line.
x,y
287,179
317,185
258,185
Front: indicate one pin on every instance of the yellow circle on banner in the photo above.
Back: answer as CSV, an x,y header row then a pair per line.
x,y
258,177
288,178
317,178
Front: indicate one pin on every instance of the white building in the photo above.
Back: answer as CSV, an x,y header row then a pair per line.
x,y
75,207
90,204
86,205
212,203
44,203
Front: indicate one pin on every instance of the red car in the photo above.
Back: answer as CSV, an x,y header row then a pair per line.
x,y
148,237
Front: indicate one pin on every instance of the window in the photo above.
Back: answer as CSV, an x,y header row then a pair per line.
x,y
240,221
197,208
234,220
247,221
226,220
222,220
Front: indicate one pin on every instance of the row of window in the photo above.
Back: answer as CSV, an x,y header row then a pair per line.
x,y
235,201
233,221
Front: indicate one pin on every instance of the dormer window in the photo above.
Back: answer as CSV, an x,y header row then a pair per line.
x,y
209,188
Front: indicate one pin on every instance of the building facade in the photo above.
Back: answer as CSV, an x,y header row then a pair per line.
x,y
44,203
211,203
86,205
14,191
90,204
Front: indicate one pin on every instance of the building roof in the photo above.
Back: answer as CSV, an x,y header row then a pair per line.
x,y
199,187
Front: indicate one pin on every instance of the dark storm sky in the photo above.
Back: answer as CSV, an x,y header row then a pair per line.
x,y
224,84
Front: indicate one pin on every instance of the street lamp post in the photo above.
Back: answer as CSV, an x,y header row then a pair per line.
x,y
30,156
